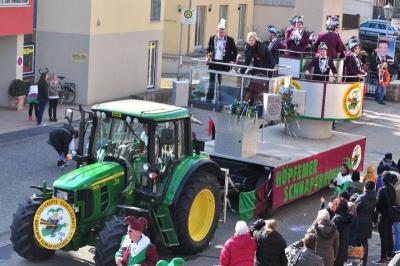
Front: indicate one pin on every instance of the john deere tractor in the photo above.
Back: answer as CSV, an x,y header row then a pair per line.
x,y
139,160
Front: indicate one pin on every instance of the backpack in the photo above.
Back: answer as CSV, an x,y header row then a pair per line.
x,y
292,254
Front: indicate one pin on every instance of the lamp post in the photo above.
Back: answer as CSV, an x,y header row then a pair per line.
x,y
388,11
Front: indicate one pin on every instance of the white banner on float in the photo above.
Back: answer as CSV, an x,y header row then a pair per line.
x,y
315,93
343,100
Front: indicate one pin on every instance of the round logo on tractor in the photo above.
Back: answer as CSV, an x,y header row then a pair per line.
x,y
54,224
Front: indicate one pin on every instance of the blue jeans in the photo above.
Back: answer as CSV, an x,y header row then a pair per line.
x,y
42,106
381,93
396,236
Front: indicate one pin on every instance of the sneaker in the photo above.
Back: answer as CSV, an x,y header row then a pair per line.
x,y
382,103
59,164
381,261
55,120
30,118
63,163
41,125
51,119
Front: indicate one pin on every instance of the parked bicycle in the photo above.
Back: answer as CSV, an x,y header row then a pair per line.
x,y
68,89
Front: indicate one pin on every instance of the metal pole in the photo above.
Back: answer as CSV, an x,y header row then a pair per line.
x,y
387,27
180,51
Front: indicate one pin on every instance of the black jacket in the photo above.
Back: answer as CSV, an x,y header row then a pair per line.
x,y
43,92
61,137
268,60
343,223
383,206
270,246
230,51
365,205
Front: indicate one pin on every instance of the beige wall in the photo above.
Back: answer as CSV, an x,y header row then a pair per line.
x,y
8,64
172,23
275,15
116,47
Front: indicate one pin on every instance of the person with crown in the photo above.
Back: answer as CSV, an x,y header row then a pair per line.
x,y
322,64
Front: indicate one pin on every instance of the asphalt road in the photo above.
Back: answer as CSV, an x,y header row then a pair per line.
x,y
26,160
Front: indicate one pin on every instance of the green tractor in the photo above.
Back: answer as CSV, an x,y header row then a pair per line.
x,y
139,160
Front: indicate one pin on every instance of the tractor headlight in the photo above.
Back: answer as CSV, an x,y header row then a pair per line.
x,y
146,167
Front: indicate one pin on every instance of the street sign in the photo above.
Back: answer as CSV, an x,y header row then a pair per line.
x,y
189,16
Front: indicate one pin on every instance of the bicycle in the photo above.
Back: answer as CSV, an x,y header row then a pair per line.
x,y
68,89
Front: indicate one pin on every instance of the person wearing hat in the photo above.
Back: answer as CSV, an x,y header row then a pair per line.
x,y
385,198
322,64
299,38
239,249
221,49
289,30
274,43
331,38
370,175
353,64
388,160
365,206
136,248
355,186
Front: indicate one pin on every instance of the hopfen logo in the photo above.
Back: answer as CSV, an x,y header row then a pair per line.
x,y
54,224
352,100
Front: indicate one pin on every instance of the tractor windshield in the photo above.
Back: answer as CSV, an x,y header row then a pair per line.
x,y
116,138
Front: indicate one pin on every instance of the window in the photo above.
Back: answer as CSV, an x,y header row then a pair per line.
x,y
223,13
152,65
14,2
155,10
200,18
242,22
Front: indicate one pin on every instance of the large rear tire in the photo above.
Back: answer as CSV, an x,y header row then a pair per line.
x,y
198,209
22,235
109,241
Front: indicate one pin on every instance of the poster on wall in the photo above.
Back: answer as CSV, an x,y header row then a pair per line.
x,y
29,60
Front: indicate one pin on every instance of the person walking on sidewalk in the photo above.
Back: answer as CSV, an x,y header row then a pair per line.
x,y
43,96
54,90
60,139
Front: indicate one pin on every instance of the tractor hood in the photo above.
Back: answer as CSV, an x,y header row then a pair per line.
x,y
89,176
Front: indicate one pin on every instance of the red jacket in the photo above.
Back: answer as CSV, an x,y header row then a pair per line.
x,y
384,77
238,250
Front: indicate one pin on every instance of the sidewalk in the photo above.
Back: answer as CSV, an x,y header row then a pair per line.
x,y
19,120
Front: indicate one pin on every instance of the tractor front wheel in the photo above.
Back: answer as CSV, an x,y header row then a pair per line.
x,y
22,235
109,241
198,209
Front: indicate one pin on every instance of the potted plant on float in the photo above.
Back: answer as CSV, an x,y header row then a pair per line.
x,y
16,95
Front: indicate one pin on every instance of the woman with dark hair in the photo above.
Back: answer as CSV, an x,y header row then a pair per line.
x,y
342,219
355,186
43,96
342,180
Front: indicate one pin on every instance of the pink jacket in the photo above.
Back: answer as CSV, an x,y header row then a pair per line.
x,y
238,250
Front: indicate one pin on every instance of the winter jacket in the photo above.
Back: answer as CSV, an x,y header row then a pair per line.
x,y
382,204
54,90
327,239
43,92
365,205
238,250
270,246
61,138
264,55
355,187
308,257
343,223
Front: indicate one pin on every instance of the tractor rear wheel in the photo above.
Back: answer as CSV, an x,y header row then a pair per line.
x,y
198,209
22,235
109,241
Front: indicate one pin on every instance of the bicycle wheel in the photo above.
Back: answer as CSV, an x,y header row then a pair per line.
x,y
68,95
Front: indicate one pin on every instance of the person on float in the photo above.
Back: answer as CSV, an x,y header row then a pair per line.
x,y
353,64
322,64
275,44
221,49
289,30
299,38
136,248
331,38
